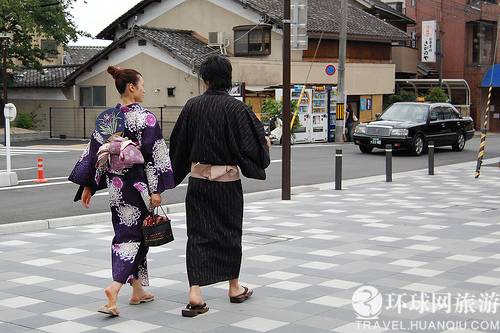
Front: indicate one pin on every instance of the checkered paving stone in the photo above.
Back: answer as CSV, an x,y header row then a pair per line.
x,y
304,259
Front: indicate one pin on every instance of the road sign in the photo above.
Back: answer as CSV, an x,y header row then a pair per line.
x,y
10,111
330,70
8,178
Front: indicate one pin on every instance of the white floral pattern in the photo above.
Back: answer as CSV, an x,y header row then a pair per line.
x,y
160,156
129,215
143,275
85,152
115,195
98,137
126,251
135,120
151,177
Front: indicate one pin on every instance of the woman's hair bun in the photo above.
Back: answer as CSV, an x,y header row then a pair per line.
x,y
114,71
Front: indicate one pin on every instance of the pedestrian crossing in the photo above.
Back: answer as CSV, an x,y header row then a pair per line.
x,y
18,151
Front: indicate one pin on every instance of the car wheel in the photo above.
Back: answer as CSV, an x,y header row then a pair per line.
x,y
460,144
365,149
418,145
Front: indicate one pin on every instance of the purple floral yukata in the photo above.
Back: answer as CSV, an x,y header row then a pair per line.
x,y
129,189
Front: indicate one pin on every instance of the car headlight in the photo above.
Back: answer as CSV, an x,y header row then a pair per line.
x,y
360,129
399,132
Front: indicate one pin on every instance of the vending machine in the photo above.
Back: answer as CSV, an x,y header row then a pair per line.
x,y
319,115
332,112
302,134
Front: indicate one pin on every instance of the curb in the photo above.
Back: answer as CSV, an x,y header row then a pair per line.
x,y
38,225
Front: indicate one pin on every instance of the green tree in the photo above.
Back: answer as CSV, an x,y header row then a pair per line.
x,y
272,108
403,96
436,95
26,19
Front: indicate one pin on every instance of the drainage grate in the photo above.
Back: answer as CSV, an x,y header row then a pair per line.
x,y
263,239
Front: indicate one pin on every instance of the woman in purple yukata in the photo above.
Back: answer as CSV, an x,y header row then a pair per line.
x,y
131,190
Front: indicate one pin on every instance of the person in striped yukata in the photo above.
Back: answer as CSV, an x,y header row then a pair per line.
x,y
215,137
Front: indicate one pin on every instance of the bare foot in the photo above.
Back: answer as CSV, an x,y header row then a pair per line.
x,y
112,295
236,292
143,297
195,297
139,294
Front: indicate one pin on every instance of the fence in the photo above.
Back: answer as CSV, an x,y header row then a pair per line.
x,y
79,123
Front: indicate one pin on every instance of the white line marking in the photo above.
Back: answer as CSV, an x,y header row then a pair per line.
x,y
53,178
51,184
33,150
30,186
276,161
20,169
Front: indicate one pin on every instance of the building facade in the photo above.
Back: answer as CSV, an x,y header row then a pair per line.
x,y
468,31
250,33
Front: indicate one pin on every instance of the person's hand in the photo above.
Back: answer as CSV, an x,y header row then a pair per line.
x,y
155,200
268,142
86,196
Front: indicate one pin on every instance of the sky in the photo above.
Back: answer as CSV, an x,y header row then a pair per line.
x,y
94,15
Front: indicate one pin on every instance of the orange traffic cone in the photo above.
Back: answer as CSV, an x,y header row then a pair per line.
x,y
40,173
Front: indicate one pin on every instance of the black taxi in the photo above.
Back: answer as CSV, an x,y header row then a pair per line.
x,y
411,125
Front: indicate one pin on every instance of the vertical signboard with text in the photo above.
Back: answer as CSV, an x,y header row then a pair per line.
x,y
429,41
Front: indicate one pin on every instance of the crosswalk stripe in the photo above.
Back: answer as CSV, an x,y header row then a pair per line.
x,y
38,151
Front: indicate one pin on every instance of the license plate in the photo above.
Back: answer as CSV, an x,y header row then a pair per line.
x,y
376,141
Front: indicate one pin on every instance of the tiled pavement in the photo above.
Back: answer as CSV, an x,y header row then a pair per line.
x,y
304,259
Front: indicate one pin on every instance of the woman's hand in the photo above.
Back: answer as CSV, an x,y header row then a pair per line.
x,y
86,196
155,200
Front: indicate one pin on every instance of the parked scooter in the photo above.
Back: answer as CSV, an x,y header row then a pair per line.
x,y
275,131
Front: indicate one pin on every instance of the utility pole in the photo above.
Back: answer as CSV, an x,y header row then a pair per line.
x,y
339,126
4,38
439,53
286,158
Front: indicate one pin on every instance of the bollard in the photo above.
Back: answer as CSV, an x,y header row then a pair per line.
x,y
338,169
388,163
431,157
40,172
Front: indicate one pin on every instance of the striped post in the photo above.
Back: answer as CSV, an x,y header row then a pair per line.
x,y
482,144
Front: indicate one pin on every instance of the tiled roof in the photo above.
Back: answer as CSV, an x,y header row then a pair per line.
x,y
323,15
183,45
48,77
385,7
77,55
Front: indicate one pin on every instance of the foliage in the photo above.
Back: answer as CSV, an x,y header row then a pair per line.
x,y
403,96
436,95
25,120
272,108
48,19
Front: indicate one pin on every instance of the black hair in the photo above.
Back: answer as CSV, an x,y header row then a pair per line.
x,y
216,71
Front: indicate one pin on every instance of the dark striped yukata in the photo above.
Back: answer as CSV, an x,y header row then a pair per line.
x,y
216,129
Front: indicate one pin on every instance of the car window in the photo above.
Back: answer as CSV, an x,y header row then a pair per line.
x,y
453,114
442,113
437,113
446,113
406,112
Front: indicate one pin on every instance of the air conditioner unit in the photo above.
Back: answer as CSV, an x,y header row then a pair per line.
x,y
215,38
